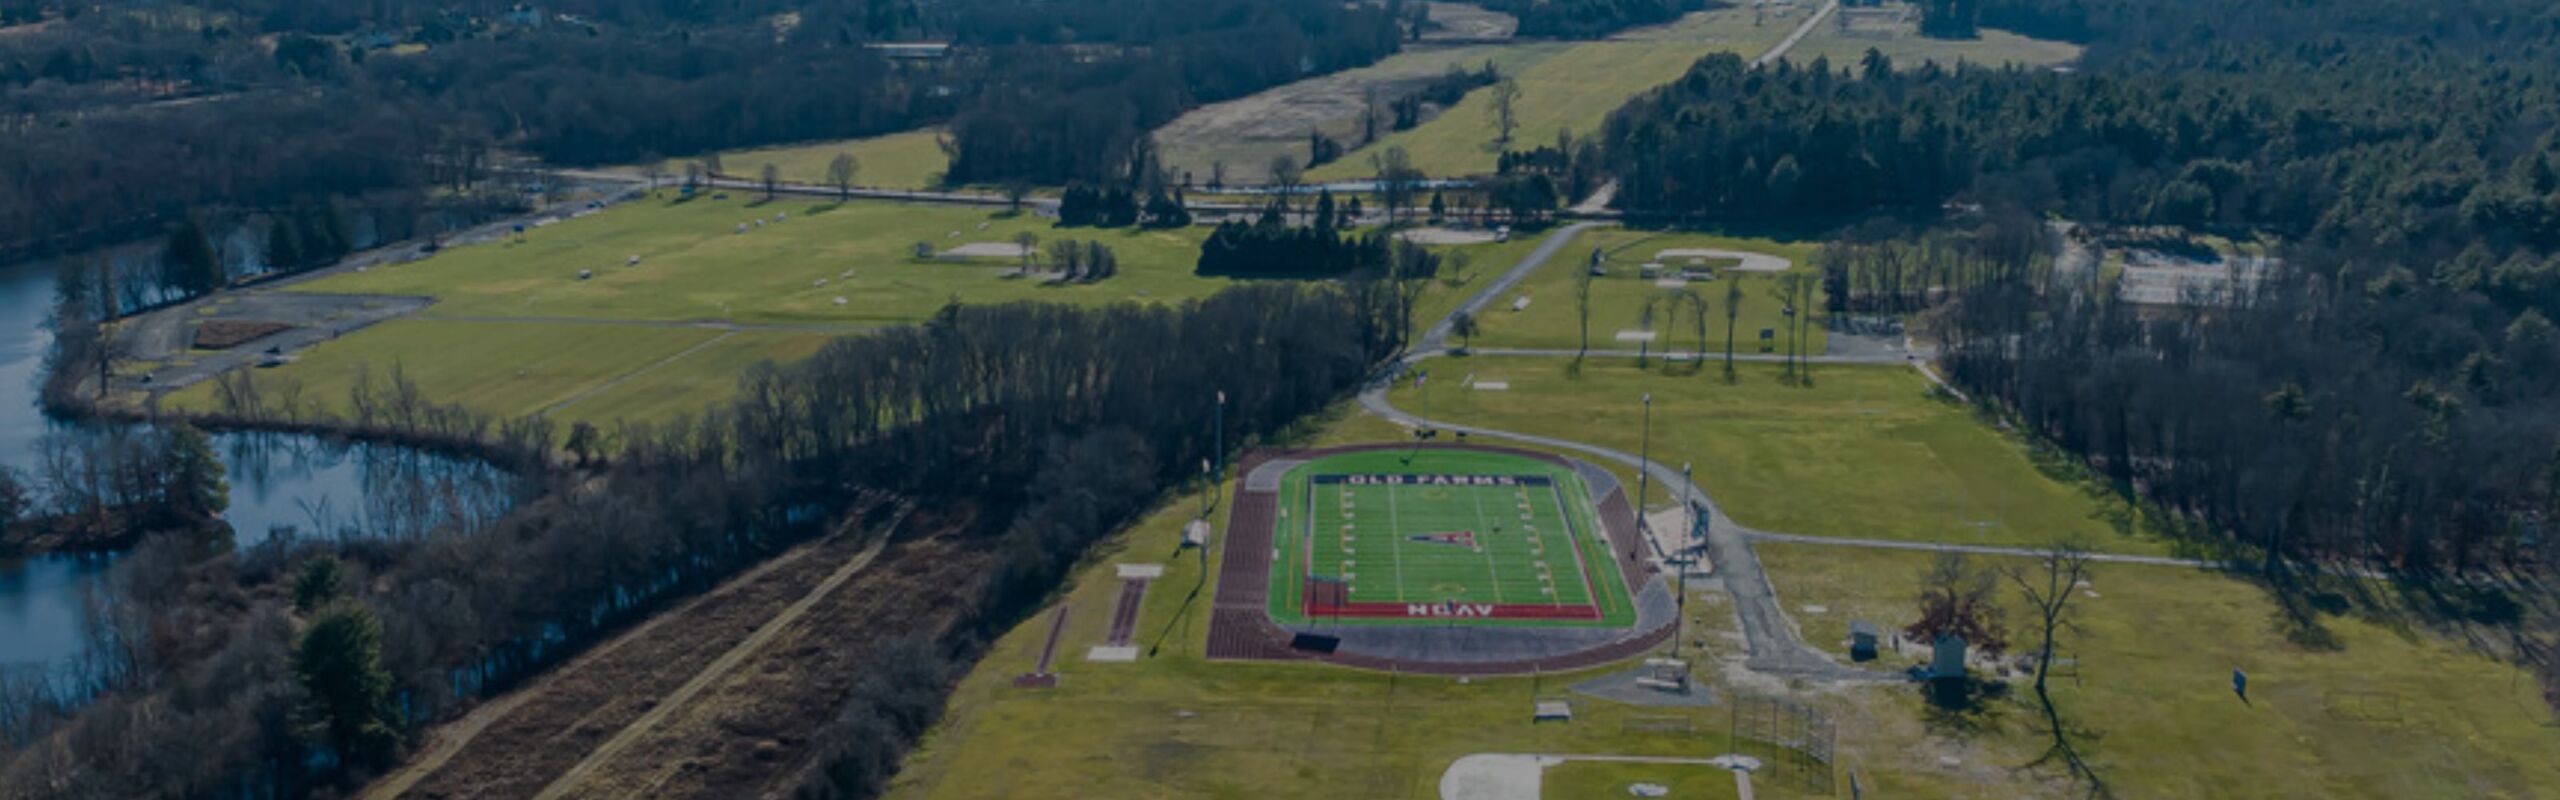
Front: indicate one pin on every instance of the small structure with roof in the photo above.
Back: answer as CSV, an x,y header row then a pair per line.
x,y
1862,640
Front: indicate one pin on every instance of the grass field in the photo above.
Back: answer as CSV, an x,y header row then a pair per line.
x,y
910,160
688,384
1523,545
1865,452
1571,90
1908,49
1246,133
506,368
1618,299
515,331
2382,709
2152,666
694,266
1172,725
1595,779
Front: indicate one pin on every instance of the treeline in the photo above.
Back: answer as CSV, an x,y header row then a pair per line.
x,y
2317,155
1590,19
108,491
2348,408
1084,83
130,116
1885,267
1047,426
1118,207
1270,248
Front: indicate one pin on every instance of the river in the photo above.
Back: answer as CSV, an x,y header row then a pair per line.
x,y
299,482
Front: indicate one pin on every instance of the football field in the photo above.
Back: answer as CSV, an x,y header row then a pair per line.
x,y
1448,534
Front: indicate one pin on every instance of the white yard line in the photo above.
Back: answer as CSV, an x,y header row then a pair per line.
x,y
1491,566
1395,540
1590,587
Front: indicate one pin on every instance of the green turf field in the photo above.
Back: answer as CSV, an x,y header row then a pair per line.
x,y
1520,547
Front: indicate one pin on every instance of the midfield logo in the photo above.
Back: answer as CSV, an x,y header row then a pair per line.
x,y
1466,539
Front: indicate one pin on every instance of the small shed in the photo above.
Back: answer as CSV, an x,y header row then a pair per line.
x,y
1862,640
1946,657
1552,711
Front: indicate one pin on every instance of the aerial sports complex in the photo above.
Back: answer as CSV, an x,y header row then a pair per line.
x,y
1438,559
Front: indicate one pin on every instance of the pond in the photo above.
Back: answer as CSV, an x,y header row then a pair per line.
x,y
303,483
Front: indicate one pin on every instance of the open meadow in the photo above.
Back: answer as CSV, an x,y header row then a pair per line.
x,y
1895,32
1571,90
1244,134
908,160
2368,705
515,330
695,265
1620,298
1865,452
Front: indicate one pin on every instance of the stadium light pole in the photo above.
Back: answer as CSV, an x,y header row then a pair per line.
x,y
1680,561
1644,466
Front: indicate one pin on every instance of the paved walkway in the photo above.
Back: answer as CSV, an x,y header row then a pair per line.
x,y
1518,776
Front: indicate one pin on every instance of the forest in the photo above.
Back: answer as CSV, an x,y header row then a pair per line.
x,y
2387,397
1589,19
127,116
1034,429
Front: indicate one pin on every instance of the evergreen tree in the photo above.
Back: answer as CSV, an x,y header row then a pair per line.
x,y
189,264
339,664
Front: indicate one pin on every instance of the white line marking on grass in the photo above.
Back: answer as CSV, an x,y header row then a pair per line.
x,y
1491,566
1395,529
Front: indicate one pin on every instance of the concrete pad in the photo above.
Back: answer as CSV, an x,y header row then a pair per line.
x,y
1008,250
1635,336
1671,283
1445,236
1141,570
1492,386
1751,262
1112,655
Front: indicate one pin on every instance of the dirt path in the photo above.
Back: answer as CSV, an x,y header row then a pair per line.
x,y
559,718
580,772
453,737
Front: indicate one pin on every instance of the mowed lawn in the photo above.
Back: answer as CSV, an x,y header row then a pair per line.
x,y
1619,298
2385,711
1572,90
909,160
504,368
694,265
691,384
1864,453
1173,725
1597,779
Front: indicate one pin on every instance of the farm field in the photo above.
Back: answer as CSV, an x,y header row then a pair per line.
x,y
1571,90
1246,133
909,160
2367,707
1866,452
1619,298
694,266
